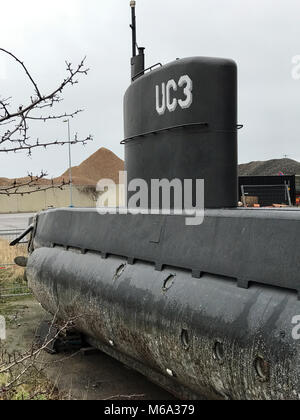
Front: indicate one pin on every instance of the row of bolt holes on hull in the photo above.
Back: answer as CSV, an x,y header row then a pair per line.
x,y
168,282
261,366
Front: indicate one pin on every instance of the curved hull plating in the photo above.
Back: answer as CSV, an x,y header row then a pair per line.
x,y
206,335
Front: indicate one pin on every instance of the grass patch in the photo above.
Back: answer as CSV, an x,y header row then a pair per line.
x,y
11,274
34,387
26,380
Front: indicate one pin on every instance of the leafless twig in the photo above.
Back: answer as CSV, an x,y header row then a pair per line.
x,y
14,119
18,365
30,184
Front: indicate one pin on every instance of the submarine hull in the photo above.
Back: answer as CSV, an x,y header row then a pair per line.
x,y
196,337
206,308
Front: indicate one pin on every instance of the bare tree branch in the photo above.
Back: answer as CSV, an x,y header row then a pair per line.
x,y
24,68
26,361
24,145
14,120
32,185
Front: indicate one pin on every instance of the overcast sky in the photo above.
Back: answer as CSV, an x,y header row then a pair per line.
x,y
262,36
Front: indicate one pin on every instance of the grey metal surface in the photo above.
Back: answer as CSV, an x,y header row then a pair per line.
x,y
193,153
161,295
206,334
245,245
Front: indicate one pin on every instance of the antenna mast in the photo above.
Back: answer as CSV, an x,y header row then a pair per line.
x,y
137,61
133,27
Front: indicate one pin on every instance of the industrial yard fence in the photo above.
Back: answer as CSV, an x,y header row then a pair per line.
x,y
12,280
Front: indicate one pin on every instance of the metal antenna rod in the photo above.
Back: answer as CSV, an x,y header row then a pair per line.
x,y
133,27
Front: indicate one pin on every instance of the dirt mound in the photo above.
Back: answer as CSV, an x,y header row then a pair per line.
x,y
270,167
5,181
103,164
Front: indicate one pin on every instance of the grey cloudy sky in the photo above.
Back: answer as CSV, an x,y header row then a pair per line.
x,y
261,35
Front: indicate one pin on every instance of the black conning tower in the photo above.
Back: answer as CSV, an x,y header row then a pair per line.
x,y
181,122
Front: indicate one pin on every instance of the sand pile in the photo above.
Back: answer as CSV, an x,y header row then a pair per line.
x,y
103,164
5,181
270,167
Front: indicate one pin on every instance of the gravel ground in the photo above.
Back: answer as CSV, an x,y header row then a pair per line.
x,y
94,377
